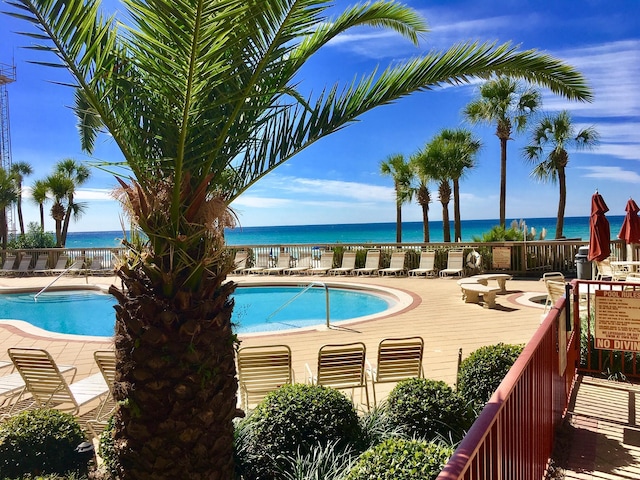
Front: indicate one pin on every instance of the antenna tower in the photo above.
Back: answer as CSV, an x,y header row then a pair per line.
x,y
7,76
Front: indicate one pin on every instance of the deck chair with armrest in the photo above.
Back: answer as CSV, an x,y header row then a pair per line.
x,y
301,266
396,266
41,264
283,263
262,263
240,261
106,361
60,266
342,366
427,265
347,266
604,270
23,266
398,359
7,266
455,264
326,263
262,369
48,387
555,290
371,264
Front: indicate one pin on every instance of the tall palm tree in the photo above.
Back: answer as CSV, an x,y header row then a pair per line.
x,y
423,197
40,194
550,139
19,170
505,102
8,195
396,167
461,149
78,174
202,99
59,185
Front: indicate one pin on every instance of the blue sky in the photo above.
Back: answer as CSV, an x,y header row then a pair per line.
x,y
337,180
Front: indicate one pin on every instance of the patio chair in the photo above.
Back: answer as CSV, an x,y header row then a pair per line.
x,y
240,261
7,266
261,370
262,262
371,264
326,263
41,264
60,266
284,262
302,265
96,267
398,358
455,264
23,266
106,361
396,266
48,387
342,367
555,290
348,264
427,265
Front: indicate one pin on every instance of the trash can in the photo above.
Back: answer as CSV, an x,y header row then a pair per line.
x,y
583,264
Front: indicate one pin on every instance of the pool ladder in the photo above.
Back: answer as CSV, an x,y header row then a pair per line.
x,y
35,297
308,287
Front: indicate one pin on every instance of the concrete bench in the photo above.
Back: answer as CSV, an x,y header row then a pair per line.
x,y
471,292
500,278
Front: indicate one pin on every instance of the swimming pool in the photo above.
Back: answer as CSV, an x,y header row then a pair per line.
x,y
257,309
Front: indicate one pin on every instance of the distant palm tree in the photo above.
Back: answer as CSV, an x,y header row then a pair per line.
x,y
40,194
78,174
396,167
550,139
19,170
8,195
423,197
505,102
59,185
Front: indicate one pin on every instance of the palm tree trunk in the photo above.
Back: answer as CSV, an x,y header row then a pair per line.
x,y
20,219
503,182
399,223
176,380
42,217
425,223
446,228
67,219
562,201
457,227
3,228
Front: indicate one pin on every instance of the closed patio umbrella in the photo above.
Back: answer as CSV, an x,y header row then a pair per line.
x,y
599,231
630,231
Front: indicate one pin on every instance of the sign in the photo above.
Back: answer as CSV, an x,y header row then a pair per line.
x,y
502,257
617,322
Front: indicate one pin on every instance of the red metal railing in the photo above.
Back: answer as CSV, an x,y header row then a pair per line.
x,y
513,437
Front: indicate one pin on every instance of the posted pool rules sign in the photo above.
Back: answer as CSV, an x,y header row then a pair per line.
x,y
617,324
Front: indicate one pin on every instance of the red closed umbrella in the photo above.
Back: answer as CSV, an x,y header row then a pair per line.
x,y
630,231
599,231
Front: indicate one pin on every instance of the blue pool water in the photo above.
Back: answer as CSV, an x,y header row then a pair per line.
x,y
91,313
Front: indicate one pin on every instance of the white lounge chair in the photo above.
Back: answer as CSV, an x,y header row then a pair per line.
x,y
427,265
302,265
348,264
7,266
326,263
240,262
396,266
455,264
262,263
23,266
41,264
284,262
371,264
61,265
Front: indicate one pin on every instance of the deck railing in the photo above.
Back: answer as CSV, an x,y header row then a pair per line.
x,y
513,437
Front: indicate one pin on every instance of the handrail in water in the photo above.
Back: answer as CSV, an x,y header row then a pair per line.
x,y
35,297
308,287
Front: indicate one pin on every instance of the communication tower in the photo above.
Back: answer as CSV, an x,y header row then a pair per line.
x,y
7,76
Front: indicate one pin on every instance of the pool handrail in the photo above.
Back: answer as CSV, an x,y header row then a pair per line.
x,y
72,266
309,286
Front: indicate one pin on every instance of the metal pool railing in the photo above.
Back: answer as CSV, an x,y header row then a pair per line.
x,y
307,287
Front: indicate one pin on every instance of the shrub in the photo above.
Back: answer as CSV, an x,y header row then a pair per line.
x,y
35,237
483,370
428,409
107,452
400,459
291,421
40,441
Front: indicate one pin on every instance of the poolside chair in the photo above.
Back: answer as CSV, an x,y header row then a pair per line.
x,y
261,370
555,290
396,266
284,262
96,267
398,358
61,265
240,261
371,264
7,266
106,361
262,262
326,263
348,264
342,366
23,266
302,265
47,385
455,264
427,265
604,270
41,264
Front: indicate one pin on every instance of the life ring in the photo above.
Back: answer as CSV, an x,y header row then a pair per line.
x,y
474,260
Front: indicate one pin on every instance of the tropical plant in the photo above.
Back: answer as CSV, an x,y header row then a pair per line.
x,y
8,196
59,186
550,139
507,103
423,195
396,167
18,171
39,195
34,238
203,100
78,174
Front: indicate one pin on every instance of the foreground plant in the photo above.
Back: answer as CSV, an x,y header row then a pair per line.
x,y
203,99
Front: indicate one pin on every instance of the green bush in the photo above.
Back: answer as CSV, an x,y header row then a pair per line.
x,y
107,451
40,441
35,237
400,459
428,409
291,421
482,371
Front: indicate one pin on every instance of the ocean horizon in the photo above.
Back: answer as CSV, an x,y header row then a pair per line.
x,y
385,232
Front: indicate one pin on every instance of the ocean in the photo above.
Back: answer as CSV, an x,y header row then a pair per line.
x,y
574,227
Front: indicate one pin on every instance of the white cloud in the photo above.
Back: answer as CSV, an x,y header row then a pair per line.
x,y
83,194
617,174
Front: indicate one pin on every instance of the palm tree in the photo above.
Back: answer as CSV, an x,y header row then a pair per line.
x,y
202,99
423,197
18,171
40,194
78,174
505,102
550,139
396,167
8,195
461,150
59,185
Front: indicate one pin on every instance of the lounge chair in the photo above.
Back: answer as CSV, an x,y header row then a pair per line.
x,y
262,263
427,265
261,370
106,361
23,266
398,358
371,264
326,264
342,367
240,261
7,266
555,290
61,265
47,385
96,267
348,264
396,266
41,264
455,264
302,265
284,262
